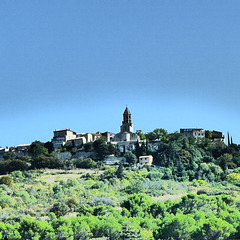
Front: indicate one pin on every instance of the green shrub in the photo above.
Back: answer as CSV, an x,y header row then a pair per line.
x,y
60,209
233,177
7,180
84,163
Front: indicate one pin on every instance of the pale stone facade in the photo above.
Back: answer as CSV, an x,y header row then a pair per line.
x,y
61,137
68,137
19,150
145,160
200,133
109,136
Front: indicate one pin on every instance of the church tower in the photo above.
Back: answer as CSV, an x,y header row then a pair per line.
x,y
127,125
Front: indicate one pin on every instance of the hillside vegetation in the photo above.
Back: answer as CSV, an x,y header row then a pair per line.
x,y
191,194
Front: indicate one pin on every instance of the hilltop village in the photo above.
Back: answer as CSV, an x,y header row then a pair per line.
x,y
124,141
129,185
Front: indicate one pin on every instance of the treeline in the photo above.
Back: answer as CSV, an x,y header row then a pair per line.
x,y
190,158
40,155
183,158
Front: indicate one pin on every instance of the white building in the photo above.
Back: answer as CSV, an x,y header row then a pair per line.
x,y
61,136
145,160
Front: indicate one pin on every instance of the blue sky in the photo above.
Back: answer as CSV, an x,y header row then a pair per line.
x,y
76,64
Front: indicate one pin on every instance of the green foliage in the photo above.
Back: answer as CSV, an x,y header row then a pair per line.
x,y
141,134
208,134
34,229
120,171
88,147
123,202
233,177
130,158
43,161
177,227
105,210
7,180
9,155
17,175
101,148
137,204
109,172
37,148
12,165
199,182
130,232
59,209
84,163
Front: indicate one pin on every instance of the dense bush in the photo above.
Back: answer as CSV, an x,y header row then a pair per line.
x,y
13,165
84,163
60,209
7,180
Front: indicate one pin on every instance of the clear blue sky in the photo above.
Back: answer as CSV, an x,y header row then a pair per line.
x,y
76,64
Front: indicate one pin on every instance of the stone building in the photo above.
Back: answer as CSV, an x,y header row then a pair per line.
x,y
61,136
22,150
145,160
195,132
218,136
109,136
68,137
126,138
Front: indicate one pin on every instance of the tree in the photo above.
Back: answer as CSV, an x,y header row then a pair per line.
x,y
137,150
141,134
177,227
46,162
35,229
120,171
208,134
225,161
158,134
101,148
84,163
111,149
60,209
37,148
12,165
49,146
9,155
137,204
130,232
131,159
88,147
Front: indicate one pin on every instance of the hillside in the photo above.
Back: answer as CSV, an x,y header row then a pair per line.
x,y
191,192
88,204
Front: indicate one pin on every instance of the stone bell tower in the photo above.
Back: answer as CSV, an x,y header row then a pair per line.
x,y
127,125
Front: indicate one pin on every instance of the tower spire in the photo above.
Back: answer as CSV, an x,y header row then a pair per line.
x,y
127,121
